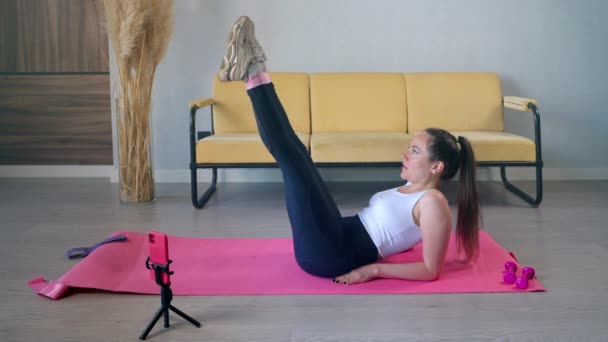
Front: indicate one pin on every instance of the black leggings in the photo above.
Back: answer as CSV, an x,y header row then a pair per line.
x,y
325,243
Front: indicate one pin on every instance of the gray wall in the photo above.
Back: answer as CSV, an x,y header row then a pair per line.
x,y
554,51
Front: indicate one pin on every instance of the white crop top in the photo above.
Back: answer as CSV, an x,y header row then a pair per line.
x,y
389,220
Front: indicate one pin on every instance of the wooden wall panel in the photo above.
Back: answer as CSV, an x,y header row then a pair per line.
x,y
55,120
8,35
53,84
46,150
52,36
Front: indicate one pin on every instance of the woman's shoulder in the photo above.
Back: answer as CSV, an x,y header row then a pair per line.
x,y
434,206
434,199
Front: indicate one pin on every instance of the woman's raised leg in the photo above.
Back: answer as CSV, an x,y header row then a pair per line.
x,y
323,246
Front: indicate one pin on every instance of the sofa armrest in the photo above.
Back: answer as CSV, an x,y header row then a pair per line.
x,y
201,103
194,107
528,105
519,103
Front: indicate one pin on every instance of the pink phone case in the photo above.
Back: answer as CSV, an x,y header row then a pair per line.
x,y
159,253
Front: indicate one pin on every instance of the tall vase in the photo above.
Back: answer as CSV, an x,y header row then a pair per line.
x,y
139,31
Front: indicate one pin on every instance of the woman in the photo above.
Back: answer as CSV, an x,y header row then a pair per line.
x,y
348,249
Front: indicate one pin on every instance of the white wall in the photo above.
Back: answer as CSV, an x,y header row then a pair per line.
x,y
551,50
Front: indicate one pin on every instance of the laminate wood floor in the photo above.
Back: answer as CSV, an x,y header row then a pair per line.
x,y
566,240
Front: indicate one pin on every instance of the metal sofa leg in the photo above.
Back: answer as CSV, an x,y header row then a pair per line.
x,y
534,202
199,203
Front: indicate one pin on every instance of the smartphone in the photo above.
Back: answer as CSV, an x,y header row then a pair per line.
x,y
159,253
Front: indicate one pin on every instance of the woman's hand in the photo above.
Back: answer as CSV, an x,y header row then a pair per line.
x,y
359,275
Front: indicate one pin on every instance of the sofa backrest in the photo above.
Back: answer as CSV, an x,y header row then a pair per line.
x,y
358,102
233,112
454,101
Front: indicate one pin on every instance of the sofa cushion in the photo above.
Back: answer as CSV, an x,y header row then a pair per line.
x,y
233,112
358,146
355,102
499,146
463,101
237,148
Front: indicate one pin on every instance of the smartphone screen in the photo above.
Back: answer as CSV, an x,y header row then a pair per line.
x,y
159,253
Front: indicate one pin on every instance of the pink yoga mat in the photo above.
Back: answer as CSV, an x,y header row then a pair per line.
x,y
263,266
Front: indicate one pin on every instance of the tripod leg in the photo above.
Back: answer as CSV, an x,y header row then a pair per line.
x,y
167,317
184,316
157,315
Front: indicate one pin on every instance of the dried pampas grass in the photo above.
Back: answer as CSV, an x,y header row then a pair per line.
x,y
139,31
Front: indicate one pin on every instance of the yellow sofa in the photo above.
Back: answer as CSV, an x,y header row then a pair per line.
x,y
366,119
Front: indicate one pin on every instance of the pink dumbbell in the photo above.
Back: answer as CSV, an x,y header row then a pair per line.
x,y
526,273
509,276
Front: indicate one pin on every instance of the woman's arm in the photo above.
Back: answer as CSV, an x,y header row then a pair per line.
x,y
435,223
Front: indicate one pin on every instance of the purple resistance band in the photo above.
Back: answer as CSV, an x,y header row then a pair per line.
x,y
81,252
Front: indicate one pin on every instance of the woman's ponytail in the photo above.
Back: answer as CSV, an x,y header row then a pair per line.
x,y
444,147
467,226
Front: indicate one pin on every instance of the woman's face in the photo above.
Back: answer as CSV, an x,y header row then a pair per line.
x,y
417,164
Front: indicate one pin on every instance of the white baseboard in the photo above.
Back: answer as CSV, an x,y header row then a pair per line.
x,y
273,175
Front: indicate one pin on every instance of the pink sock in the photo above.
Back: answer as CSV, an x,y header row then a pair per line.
x,y
258,79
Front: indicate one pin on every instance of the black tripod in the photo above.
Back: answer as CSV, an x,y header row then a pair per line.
x,y
166,295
